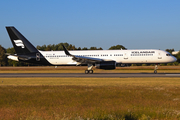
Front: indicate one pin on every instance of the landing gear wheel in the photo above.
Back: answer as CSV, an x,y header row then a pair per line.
x,y
90,71
155,71
86,71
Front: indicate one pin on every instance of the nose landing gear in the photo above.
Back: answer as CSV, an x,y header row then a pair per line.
x,y
155,69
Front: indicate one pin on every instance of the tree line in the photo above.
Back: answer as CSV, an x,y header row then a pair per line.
x,y
58,47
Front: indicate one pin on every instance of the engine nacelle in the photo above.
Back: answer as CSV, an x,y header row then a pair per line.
x,y
107,65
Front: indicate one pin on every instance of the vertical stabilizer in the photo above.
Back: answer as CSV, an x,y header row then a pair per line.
x,y
20,43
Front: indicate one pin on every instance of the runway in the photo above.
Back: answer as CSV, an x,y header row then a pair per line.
x,y
82,75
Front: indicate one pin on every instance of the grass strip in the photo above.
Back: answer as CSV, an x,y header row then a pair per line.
x,y
90,98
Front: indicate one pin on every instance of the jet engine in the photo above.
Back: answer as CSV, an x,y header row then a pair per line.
x,y
107,65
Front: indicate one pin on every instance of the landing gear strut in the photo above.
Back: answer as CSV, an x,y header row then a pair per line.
x,y
89,70
155,69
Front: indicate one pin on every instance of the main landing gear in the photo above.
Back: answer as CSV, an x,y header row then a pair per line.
x,y
89,70
155,68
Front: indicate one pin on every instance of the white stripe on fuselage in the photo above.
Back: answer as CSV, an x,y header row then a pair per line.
x,y
120,56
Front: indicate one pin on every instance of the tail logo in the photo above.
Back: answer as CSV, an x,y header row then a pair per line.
x,y
19,43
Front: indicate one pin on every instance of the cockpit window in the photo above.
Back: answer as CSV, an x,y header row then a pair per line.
x,y
168,54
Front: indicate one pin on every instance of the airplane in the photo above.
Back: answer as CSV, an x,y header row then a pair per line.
x,y
102,59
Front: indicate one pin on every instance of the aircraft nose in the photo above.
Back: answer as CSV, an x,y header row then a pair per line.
x,y
174,59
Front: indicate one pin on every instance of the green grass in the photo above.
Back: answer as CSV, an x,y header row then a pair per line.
x,y
89,98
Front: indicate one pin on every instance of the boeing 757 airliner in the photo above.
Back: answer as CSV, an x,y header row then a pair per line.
x,y
102,59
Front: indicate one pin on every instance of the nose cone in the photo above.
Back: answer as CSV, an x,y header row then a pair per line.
x,y
173,59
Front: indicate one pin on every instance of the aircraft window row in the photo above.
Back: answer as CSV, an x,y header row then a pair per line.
x,y
89,55
104,55
118,54
78,55
86,55
141,54
59,56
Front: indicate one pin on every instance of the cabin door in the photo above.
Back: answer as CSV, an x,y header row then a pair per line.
x,y
159,56
125,56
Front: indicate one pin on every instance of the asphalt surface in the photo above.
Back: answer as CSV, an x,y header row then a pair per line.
x,y
95,75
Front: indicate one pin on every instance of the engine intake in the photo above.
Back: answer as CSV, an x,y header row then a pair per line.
x,y
107,65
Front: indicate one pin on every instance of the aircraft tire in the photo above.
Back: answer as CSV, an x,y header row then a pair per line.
x,y
155,71
86,71
90,71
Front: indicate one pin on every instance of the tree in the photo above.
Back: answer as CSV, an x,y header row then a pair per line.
x,y
93,48
70,47
84,48
117,47
48,48
178,57
41,47
3,59
170,50
100,48
79,48
56,47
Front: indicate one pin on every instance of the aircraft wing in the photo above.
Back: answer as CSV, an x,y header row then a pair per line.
x,y
82,59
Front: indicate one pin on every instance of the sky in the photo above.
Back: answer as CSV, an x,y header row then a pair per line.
x,y
135,24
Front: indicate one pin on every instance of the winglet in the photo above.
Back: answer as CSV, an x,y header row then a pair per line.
x,y
66,51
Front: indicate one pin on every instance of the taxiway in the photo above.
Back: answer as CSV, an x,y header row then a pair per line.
x,y
95,75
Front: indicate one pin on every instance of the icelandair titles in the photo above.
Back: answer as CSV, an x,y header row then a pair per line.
x,y
143,52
